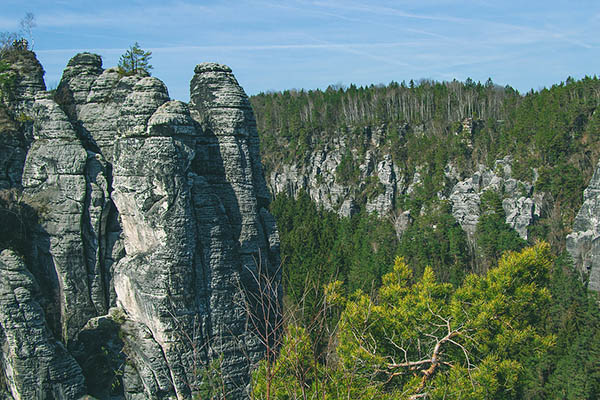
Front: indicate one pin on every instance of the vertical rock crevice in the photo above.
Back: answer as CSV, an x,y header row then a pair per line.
x,y
54,180
153,226
35,365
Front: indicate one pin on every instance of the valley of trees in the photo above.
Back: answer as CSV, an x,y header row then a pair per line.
x,y
552,133
428,315
336,269
524,330
431,314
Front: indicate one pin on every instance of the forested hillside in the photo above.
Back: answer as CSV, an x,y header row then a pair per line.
x,y
435,135
448,176
553,130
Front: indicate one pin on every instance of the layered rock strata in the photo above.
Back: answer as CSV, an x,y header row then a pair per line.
x,y
27,76
35,365
152,239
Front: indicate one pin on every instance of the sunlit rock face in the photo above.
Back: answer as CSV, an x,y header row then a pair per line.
x,y
584,242
153,228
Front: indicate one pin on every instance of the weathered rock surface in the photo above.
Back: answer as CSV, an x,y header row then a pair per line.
x,y
54,179
153,226
15,115
34,364
28,81
377,175
519,203
584,242
380,182
13,150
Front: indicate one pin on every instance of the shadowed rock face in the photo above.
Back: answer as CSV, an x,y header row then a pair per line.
x,y
35,364
15,114
584,242
154,227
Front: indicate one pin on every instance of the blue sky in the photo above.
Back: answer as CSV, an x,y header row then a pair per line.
x,y
276,45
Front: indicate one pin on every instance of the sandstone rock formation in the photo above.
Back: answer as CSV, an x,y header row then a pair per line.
x,y
380,182
519,203
13,150
35,365
153,230
584,242
15,114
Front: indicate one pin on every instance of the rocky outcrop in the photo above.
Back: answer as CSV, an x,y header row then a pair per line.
x,y
54,178
92,97
28,75
384,202
229,191
520,204
377,182
152,236
191,195
583,243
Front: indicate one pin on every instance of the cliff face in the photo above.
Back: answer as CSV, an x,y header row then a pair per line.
x,y
15,125
379,183
153,227
584,242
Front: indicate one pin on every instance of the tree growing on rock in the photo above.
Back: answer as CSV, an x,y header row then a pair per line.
x,y
20,41
27,24
135,61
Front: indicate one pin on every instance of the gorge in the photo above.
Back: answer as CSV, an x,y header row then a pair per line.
x,y
140,259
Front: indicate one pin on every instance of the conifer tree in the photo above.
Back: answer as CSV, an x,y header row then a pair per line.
x,y
135,60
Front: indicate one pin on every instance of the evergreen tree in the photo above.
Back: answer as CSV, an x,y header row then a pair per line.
x,y
494,235
135,60
426,339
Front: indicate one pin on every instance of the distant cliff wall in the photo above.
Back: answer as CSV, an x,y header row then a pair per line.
x,y
379,182
584,242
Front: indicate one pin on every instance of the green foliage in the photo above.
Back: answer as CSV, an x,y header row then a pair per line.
x,y
572,369
212,385
23,118
554,131
435,239
7,79
564,182
318,247
294,123
135,60
118,315
551,134
494,235
347,170
294,370
424,338
373,187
